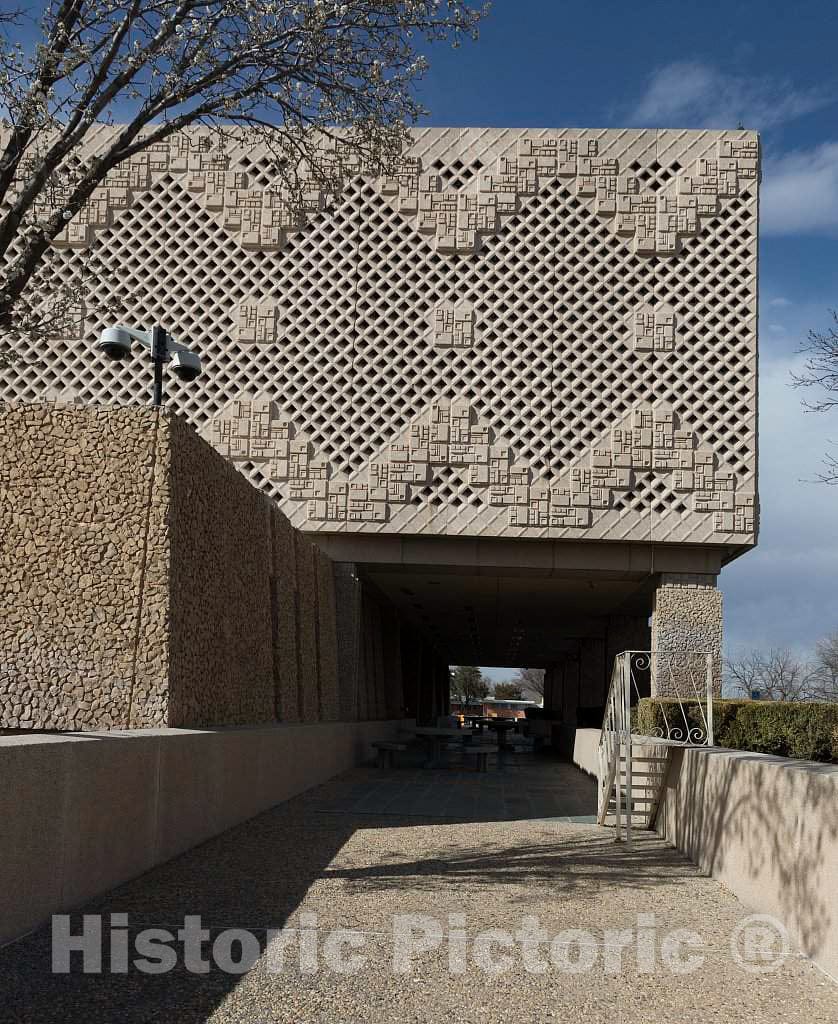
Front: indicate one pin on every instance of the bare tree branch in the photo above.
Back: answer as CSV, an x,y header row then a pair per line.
x,y
821,372
531,681
291,72
781,675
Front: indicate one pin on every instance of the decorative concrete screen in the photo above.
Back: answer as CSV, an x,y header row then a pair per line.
x,y
521,333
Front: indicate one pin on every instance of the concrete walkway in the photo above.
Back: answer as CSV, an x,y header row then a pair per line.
x,y
496,849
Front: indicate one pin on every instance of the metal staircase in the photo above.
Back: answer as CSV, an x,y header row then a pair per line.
x,y
642,798
633,766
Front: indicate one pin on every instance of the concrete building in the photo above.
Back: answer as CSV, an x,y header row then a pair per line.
x,y
512,387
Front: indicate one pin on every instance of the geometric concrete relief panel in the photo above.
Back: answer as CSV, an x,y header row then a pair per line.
x,y
449,440
256,323
453,325
522,333
654,329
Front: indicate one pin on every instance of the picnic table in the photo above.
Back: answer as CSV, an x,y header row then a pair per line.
x,y
502,727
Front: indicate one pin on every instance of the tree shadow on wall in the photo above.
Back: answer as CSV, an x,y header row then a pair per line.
x,y
781,822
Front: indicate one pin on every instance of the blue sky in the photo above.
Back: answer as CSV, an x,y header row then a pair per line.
x,y
768,66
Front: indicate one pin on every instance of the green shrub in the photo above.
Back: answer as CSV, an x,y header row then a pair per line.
x,y
787,728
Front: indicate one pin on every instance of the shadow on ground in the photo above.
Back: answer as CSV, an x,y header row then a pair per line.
x,y
256,875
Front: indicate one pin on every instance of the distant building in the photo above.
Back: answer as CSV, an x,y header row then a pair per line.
x,y
491,708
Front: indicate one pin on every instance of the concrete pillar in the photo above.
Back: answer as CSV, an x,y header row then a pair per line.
x,y
425,715
592,672
553,695
327,640
687,617
393,683
348,618
625,633
628,633
571,690
370,628
309,680
284,601
444,687
411,648
561,688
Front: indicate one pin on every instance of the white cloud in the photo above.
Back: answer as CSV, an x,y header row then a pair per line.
x,y
800,192
800,188
783,594
779,301
695,95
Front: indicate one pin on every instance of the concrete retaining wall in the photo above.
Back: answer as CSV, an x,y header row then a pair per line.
x,y
83,813
585,747
768,828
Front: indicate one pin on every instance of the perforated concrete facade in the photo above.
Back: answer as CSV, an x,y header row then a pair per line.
x,y
522,333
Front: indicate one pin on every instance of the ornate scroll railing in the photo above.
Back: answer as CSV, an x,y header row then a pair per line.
x,y
682,715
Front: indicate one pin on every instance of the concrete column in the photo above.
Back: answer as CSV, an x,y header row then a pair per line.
x,y
284,600
571,688
309,680
628,633
370,627
687,617
411,648
561,688
444,687
552,687
393,682
625,633
592,672
348,618
327,639
425,701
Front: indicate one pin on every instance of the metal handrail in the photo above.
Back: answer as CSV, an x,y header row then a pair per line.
x,y
677,672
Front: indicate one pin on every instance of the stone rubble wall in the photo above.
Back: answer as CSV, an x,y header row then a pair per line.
x,y
686,616
327,638
84,561
147,583
284,617
307,646
220,636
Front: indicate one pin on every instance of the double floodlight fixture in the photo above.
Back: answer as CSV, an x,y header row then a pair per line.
x,y
116,343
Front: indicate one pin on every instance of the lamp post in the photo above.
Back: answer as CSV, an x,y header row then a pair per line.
x,y
116,342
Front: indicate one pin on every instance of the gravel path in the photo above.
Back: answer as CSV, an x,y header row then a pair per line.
x,y
492,850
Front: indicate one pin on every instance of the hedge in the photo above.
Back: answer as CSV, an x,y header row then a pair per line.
x,y
788,728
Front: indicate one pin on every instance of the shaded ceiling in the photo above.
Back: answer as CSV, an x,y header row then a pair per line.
x,y
511,618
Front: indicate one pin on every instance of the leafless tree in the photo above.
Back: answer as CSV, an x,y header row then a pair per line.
x,y
775,675
508,690
289,71
821,372
531,681
826,655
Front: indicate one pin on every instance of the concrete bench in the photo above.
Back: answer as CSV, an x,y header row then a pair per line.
x,y
386,750
481,752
